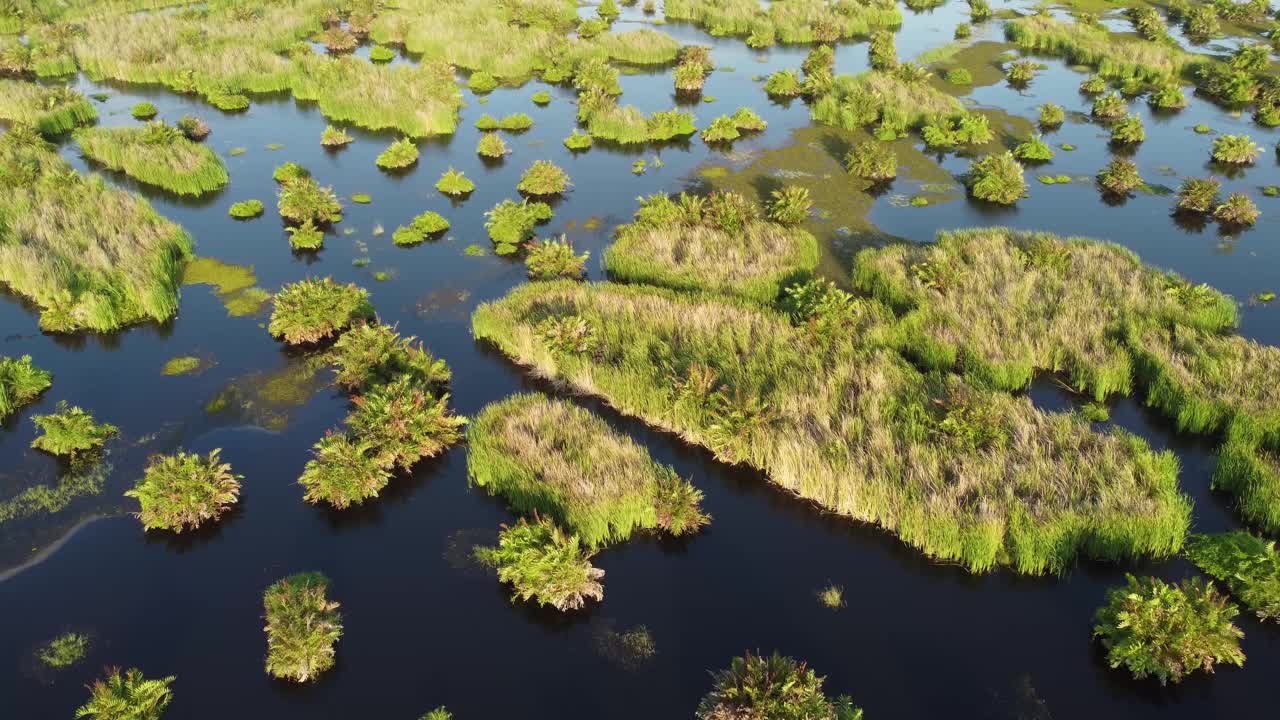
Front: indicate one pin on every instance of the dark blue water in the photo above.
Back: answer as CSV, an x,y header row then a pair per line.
x,y
423,627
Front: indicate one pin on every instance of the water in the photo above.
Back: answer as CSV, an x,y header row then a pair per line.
x,y
425,628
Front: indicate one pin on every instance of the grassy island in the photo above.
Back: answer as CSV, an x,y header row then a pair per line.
x,y
795,21
90,256
158,155
853,428
50,110
1248,565
303,625
20,383
127,696
756,687
543,563
183,491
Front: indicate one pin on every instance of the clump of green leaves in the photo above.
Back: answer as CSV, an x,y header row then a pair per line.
x,y
784,83
144,111
872,160
1165,631
64,651
303,625
554,259
303,200
399,155
71,430
755,686
20,383
332,137
510,223
247,209
1235,150
997,179
543,178
543,563
1120,177
181,492
482,82
1198,195
1248,565
721,130
789,205
1168,97
578,141
381,54
1110,106
312,310
1128,131
305,236
491,145
882,51
1034,149
959,76
127,696
1093,85
831,597
454,183
1237,211
289,171
193,127
428,224
1022,72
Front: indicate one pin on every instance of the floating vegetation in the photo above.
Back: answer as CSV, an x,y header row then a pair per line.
x,y
71,430
544,564
183,491
129,695
884,99
1248,565
426,226
578,142
416,100
959,76
997,179
89,255
542,97
312,310
1034,149
235,284
832,597
1083,44
144,111
721,244
303,201
543,179
773,407
20,383
510,223
491,145
755,686
398,155
1237,211
1120,178
1128,131
246,209
64,651
552,459
1154,629
872,160
50,110
629,126
303,625
785,84
381,54
554,259
1235,150
181,365
795,23
455,184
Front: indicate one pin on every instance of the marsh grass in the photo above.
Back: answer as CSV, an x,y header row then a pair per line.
x,y
1128,131
183,491
1236,211
157,155
333,137
832,597
1111,56
755,686
21,383
312,310
1235,150
543,179
1246,564
455,184
555,259
1034,149
872,160
857,430
492,146
997,179
89,255
639,47
428,225
545,564
798,22
883,99
1120,178
416,100
721,245
399,155
510,223
71,430
127,695
303,625
627,125
51,110
302,200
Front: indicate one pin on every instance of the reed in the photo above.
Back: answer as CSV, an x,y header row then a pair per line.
x,y
157,155
639,47
1248,565
417,101
50,110
1113,57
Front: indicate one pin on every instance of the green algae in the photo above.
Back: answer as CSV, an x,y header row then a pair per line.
x,y
183,365
234,285
269,399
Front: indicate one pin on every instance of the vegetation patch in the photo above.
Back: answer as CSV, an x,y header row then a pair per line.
x,y
181,365
416,100
425,226
554,259
884,99
312,310
303,625
50,110
800,22
334,138
510,223
182,492
543,563
64,651
855,429
639,47
128,695
70,431
302,200
556,460
159,155
20,383
721,244
455,184
1112,56
1248,565
543,179
246,209
755,686
398,155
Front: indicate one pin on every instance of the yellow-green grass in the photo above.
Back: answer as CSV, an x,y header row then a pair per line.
x,y
418,101
980,478
156,155
51,110
793,21
753,262
20,383
1000,305
90,256
1113,56
554,459
1249,469
856,101
639,47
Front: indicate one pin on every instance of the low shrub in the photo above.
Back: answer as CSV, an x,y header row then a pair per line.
x,y
1034,149
491,145
997,179
482,82
872,160
1168,97
515,122
181,492
555,260
399,155
127,696
303,200
543,178
1165,631
454,183
1198,195
289,171
71,430
758,687
1128,131
1238,211
425,226
578,141
303,625
305,236
332,137
1248,565
312,310
1120,177
543,563
247,209
20,383
746,120
144,111
1235,150
510,223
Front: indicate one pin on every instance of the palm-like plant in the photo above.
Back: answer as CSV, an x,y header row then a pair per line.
x,y
71,430
332,137
491,145
311,310
1237,211
303,200
997,179
20,383
555,259
543,178
404,422
344,472
1198,195
1120,177
303,626
1128,131
1235,150
179,492
873,161
543,563
1052,115
1022,72
789,205
454,183
127,696
882,50
755,686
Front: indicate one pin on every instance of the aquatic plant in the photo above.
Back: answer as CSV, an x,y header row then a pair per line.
x,y
229,102
158,155
338,40
979,10
372,354
554,260
1154,629
784,83
1128,131
1095,46
1034,149
303,200
454,183
1051,115
1120,177
127,696
399,155
832,597
246,209
959,76
1226,84
70,430
419,100
542,97
510,223
491,145
303,625
333,137
872,160
1248,565
183,491
746,120
402,422
439,713
50,110
344,472
543,563
1110,106
192,127
1235,150
1198,195
306,236
789,205
289,171
997,179
1021,72
755,687
144,111
64,651
515,122
543,178
1238,211
381,54
1201,22
1094,85
721,130
577,141
312,310
882,52
427,225
20,383
482,82
963,31
1168,96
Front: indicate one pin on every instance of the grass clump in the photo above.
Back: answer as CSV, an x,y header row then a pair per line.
x,y
482,82
312,310
427,225
721,130
50,110
856,429
882,53
578,142
746,120
1096,47
144,111
997,179
1235,150
542,97
303,201
1198,195
784,84
89,255
1165,631
158,155
515,122
181,365
871,160
1128,131
416,100
1236,211
455,184
510,223
553,459
246,209
1248,565
755,687
1034,149
1168,96
381,54
1120,178
832,597
183,491
127,696
399,155
333,138
305,236
1021,72
959,76
789,205
543,179
888,100
20,383
491,145
629,126
64,651
720,244
303,625
1110,106
555,260
543,563
71,430
639,47
288,172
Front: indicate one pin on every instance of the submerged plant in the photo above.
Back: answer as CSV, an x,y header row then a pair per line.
x,y
64,651
1168,631
1120,177
1235,150
997,179
303,625
454,183
1168,97
399,155
554,259
312,310
181,492
71,430
20,383
127,696
543,563
1237,211
872,160
543,178
831,597
1198,195
1022,72
755,687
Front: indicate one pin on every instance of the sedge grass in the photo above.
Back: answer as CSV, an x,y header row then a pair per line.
x,y
157,155
1113,57
51,110
20,383
792,22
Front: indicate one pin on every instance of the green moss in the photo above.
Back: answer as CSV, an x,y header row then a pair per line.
x,y
510,223
128,694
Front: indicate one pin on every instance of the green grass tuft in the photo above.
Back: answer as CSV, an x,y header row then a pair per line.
x,y
543,563
71,430
755,686
303,625
398,155
312,310
183,491
246,209
20,383
455,184
1248,565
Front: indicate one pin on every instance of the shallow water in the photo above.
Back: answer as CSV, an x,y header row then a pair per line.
x,y
423,627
